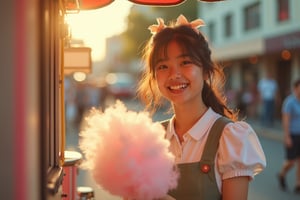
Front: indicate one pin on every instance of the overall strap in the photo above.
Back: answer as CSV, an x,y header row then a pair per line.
x,y
212,143
197,180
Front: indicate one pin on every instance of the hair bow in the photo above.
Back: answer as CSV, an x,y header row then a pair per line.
x,y
155,28
181,20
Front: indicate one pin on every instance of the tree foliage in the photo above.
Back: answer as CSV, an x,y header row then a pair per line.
x,y
141,17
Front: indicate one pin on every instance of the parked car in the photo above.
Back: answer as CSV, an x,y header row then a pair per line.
x,y
120,85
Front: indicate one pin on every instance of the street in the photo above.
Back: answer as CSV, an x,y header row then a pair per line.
x,y
263,187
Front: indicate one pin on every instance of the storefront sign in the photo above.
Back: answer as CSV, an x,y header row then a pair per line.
x,y
284,42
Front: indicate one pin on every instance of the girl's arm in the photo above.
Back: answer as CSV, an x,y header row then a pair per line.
x,y
235,188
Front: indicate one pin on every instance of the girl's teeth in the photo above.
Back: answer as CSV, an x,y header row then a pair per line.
x,y
178,87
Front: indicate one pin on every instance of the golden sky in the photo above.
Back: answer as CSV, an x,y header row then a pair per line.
x,y
94,26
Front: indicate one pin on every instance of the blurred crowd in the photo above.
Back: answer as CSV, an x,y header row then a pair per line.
x,y
80,97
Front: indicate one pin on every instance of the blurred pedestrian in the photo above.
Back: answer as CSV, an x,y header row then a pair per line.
x,y
268,89
70,102
213,164
245,99
291,127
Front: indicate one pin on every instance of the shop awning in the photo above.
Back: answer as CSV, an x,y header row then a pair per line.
x,y
95,4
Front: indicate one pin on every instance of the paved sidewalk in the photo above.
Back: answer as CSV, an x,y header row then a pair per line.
x,y
274,133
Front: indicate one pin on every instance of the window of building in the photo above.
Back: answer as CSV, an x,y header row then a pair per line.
x,y
252,16
228,25
211,31
283,12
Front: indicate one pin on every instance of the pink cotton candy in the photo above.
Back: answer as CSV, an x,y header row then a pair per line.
x,y
127,153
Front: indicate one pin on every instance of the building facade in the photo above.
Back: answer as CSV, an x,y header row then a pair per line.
x,y
252,38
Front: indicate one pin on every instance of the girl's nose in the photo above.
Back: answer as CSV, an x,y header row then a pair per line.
x,y
175,72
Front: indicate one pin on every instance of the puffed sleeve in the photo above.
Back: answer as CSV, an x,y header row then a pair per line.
x,y
240,152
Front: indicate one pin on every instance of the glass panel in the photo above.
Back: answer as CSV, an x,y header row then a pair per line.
x,y
283,12
228,25
252,16
212,31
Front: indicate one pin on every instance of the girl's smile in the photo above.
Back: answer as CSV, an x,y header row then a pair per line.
x,y
176,88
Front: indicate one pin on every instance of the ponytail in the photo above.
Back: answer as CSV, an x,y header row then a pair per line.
x,y
213,95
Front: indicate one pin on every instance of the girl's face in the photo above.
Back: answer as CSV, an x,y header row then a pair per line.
x,y
178,78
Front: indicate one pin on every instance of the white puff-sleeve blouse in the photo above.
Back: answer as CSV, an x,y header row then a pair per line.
x,y
240,152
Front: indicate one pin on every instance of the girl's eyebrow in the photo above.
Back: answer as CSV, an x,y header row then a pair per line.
x,y
183,56
166,58
161,60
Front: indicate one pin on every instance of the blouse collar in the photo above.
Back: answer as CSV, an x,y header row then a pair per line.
x,y
200,127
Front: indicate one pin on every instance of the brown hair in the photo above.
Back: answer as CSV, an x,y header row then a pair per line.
x,y
198,49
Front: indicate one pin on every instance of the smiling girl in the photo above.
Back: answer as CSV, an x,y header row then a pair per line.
x,y
212,164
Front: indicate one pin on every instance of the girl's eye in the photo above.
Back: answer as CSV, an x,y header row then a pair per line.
x,y
161,67
186,62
